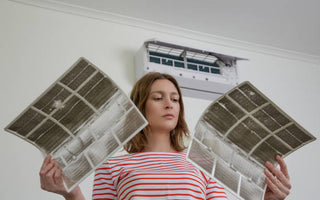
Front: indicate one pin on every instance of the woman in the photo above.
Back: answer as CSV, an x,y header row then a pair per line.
x,y
155,167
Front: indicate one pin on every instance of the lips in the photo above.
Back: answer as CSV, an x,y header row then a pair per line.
x,y
168,116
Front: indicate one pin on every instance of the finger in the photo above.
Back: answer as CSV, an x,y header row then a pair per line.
x,y
43,182
275,190
46,177
45,163
52,170
273,169
278,173
49,179
58,176
46,160
283,166
275,184
46,166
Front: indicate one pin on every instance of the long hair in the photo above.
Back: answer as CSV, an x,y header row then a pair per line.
x,y
139,96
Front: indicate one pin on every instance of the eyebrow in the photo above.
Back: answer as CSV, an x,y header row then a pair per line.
x,y
162,92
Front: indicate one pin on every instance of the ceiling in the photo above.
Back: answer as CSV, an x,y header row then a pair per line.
x,y
292,25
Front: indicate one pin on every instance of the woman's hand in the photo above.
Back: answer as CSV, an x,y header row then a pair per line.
x,y
51,180
278,181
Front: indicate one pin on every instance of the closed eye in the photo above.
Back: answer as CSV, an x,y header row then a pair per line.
x,y
175,100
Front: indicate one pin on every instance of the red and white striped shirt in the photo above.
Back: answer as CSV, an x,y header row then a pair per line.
x,y
153,175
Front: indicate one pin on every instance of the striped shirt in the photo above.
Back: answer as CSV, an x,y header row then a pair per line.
x,y
153,175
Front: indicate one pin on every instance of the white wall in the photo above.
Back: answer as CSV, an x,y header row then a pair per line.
x,y
37,45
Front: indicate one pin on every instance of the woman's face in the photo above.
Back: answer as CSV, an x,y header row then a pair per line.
x,y
162,106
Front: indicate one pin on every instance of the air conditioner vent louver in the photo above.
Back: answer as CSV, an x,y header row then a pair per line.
x,y
200,73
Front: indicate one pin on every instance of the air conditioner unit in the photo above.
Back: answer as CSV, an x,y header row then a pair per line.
x,y
200,73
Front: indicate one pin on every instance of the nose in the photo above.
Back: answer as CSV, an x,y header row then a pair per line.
x,y
168,103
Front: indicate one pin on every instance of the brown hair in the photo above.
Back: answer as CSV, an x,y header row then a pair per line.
x,y
139,96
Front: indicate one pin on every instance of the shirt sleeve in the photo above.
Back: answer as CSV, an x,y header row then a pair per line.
x,y
215,191
103,187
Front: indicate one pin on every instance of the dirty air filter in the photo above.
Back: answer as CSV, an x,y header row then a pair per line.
x,y
81,120
237,134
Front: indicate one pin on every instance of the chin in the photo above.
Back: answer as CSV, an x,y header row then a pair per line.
x,y
168,128
171,128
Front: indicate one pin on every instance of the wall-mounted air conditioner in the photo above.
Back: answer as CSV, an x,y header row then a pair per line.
x,y
200,73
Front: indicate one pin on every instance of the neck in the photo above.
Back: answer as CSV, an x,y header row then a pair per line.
x,y
159,142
